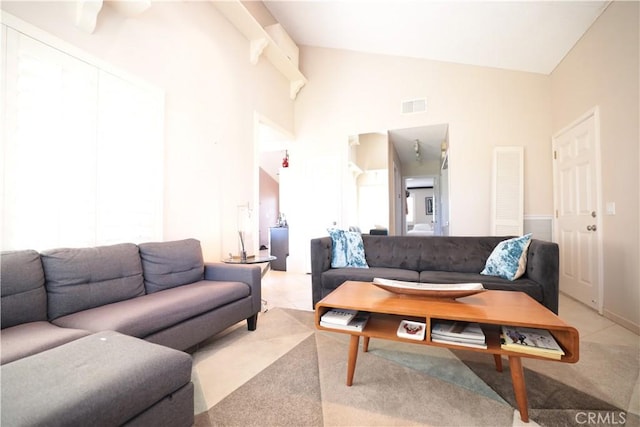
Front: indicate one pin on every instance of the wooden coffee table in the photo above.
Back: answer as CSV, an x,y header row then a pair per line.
x,y
490,308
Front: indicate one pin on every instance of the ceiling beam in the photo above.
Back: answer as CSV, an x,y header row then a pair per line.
x,y
87,11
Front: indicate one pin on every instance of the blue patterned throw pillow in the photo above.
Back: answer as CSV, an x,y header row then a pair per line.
x,y
348,249
338,250
355,250
509,258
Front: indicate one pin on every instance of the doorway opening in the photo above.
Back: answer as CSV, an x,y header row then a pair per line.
x,y
383,167
272,147
421,157
422,200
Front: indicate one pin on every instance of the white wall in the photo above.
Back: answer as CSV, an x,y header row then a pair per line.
x,y
419,196
353,93
373,199
212,91
484,107
603,69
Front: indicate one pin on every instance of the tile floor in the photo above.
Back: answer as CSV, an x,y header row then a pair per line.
x,y
287,290
293,290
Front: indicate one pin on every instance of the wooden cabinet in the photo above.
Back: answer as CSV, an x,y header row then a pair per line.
x,y
279,237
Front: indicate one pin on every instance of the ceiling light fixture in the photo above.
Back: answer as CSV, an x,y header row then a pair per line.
x,y
416,148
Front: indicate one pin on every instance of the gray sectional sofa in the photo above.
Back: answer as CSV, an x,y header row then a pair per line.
x,y
437,259
119,314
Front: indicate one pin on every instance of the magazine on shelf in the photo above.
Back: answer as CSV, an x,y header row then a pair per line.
x,y
411,330
338,316
458,329
535,341
357,323
429,286
464,343
457,339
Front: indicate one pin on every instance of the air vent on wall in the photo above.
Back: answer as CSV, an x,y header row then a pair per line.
x,y
414,106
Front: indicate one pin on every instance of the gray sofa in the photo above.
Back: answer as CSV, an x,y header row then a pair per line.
x,y
437,259
153,299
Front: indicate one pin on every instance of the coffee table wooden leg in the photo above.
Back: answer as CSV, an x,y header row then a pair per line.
x,y
353,356
365,344
498,359
519,388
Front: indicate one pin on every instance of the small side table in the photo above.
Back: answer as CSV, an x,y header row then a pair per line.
x,y
255,260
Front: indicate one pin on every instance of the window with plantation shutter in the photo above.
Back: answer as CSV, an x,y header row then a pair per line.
x,y
82,151
507,207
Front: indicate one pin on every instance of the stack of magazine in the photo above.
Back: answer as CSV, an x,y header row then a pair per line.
x,y
539,342
348,320
467,334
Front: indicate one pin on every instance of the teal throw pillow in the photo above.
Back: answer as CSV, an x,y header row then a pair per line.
x,y
355,250
509,258
338,250
348,249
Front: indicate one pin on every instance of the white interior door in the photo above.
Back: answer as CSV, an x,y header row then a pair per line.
x,y
576,198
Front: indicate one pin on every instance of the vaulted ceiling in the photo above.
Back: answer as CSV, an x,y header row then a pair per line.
x,y
530,36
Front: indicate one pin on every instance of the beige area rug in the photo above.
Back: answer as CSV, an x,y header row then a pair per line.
x,y
286,373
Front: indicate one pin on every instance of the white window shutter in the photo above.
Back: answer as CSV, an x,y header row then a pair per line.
x,y
507,207
49,150
77,142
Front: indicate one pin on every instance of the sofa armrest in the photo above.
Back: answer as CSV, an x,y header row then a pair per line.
x,y
543,267
320,262
251,274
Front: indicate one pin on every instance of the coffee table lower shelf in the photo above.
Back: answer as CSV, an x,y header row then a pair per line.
x,y
385,318
515,366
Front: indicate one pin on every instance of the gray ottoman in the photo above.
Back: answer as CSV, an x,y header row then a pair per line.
x,y
105,379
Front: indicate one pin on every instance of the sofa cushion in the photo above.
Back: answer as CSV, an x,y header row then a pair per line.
x,y
333,278
104,379
170,264
79,279
154,312
531,288
24,298
399,253
464,254
34,337
509,258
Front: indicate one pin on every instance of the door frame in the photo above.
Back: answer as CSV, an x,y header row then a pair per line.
x,y
258,121
595,113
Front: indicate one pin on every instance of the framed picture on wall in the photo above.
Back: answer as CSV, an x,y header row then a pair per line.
x,y
428,202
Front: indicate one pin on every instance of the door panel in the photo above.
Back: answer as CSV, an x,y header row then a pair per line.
x,y
576,201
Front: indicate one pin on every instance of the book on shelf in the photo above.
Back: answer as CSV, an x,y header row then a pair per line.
x,y
458,330
534,341
338,316
357,323
411,330
461,342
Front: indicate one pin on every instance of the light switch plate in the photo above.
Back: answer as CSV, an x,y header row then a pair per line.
x,y
611,208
